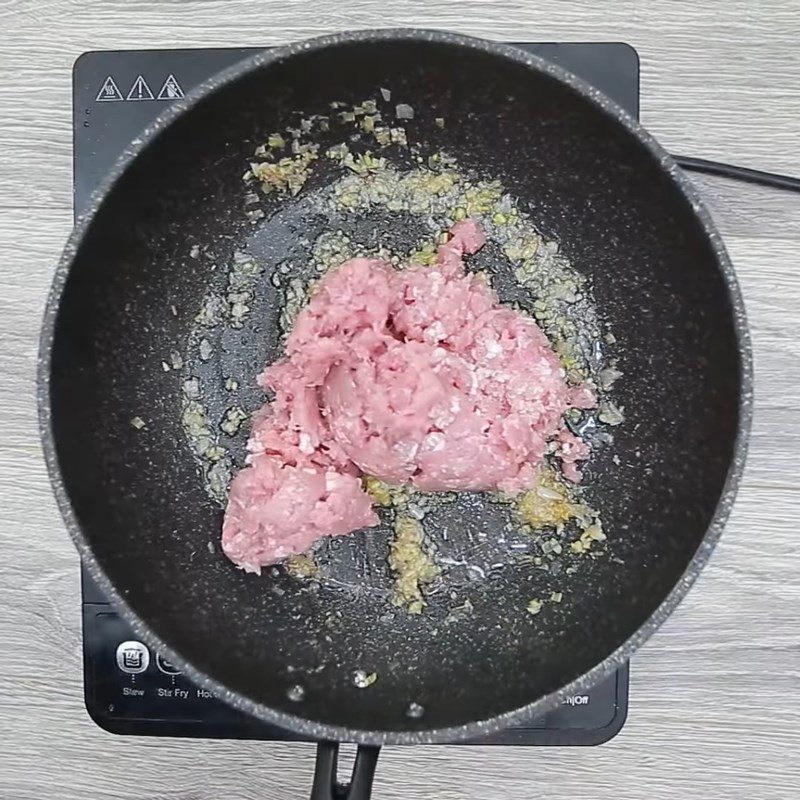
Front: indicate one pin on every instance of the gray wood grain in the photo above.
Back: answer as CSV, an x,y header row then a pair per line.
x,y
714,697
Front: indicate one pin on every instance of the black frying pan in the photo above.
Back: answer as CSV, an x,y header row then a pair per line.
x,y
126,294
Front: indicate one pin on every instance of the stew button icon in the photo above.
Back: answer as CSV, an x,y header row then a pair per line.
x,y
133,657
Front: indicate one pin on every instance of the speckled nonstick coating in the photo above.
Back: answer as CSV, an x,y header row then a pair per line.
x,y
133,501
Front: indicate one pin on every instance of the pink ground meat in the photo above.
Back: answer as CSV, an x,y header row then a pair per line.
x,y
413,375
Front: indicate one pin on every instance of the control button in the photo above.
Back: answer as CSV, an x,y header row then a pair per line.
x,y
166,666
133,657
589,710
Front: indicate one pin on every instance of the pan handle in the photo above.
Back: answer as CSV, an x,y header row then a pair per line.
x,y
325,785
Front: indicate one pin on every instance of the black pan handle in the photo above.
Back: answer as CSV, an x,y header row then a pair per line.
x,y
325,785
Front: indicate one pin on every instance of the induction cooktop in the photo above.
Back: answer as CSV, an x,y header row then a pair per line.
x,y
128,688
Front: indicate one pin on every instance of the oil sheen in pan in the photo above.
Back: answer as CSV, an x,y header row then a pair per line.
x,y
285,254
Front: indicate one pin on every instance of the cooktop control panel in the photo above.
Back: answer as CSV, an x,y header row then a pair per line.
x,y
131,689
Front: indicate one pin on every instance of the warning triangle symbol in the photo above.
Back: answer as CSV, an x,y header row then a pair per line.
x,y
140,90
171,90
108,91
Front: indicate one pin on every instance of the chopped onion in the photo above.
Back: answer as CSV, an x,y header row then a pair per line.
x,y
404,111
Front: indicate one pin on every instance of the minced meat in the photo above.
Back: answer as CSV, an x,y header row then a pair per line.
x,y
413,375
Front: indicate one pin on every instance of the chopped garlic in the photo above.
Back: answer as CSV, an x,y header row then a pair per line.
x,y
534,606
233,419
610,413
404,111
364,680
412,566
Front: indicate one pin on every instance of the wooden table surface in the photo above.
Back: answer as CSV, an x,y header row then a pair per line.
x,y
714,696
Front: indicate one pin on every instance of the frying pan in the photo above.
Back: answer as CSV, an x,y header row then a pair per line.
x,y
126,294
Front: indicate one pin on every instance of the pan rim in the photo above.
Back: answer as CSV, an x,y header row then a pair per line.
x,y
545,703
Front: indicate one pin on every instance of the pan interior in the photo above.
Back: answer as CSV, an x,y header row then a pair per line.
x,y
131,299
